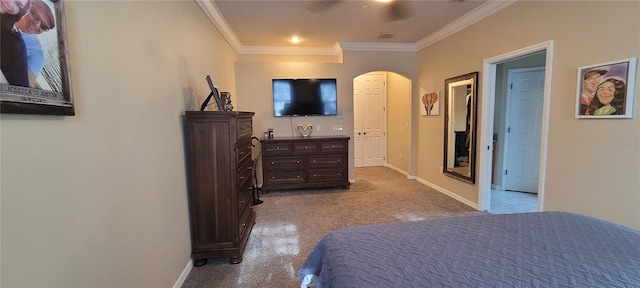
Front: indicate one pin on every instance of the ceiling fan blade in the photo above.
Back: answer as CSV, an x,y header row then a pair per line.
x,y
398,10
322,5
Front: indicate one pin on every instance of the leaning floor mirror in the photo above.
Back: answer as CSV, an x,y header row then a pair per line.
x,y
460,127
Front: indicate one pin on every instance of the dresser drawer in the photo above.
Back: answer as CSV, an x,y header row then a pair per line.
x,y
244,197
243,174
326,175
244,128
284,162
303,147
326,161
277,148
243,223
337,146
243,150
286,176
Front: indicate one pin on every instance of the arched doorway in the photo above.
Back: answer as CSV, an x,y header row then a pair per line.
x,y
382,110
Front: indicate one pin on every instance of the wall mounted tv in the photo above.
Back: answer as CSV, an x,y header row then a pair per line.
x,y
304,97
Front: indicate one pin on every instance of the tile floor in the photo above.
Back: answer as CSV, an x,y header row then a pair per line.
x,y
503,202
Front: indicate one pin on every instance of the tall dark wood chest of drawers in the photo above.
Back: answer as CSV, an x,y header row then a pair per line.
x,y
220,194
305,162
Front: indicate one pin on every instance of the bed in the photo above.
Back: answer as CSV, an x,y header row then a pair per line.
x,y
541,249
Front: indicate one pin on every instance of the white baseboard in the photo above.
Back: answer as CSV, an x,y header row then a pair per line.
x,y
185,273
396,168
496,187
449,193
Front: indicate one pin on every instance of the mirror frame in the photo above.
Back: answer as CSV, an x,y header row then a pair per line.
x,y
472,128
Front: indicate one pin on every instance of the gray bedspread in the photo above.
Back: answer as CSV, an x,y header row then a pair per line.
x,y
543,249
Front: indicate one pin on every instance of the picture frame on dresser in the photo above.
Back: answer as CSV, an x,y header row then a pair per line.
x,y
213,94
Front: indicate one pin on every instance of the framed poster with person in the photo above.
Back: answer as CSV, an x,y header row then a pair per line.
x,y
606,90
34,66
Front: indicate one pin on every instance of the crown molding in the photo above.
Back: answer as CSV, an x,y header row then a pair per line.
x,y
282,50
209,8
483,11
366,46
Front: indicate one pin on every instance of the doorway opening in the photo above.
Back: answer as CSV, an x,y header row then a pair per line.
x,y
382,116
514,129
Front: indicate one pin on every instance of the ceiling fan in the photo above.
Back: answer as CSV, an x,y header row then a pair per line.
x,y
394,10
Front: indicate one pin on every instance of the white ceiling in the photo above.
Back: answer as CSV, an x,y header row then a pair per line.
x,y
264,26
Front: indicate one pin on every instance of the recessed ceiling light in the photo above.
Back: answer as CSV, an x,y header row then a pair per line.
x,y
384,1
295,39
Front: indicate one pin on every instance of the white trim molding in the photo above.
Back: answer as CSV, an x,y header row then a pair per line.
x,y
367,46
397,169
487,104
448,193
286,50
184,274
481,12
209,8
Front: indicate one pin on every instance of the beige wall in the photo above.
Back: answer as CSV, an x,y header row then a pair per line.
x,y
253,86
579,177
100,199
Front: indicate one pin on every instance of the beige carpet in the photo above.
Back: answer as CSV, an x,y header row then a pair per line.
x,y
289,224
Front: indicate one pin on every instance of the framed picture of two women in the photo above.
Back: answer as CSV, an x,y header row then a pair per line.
x,y
34,66
606,90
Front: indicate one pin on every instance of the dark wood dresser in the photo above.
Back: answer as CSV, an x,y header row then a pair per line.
x,y
219,152
299,162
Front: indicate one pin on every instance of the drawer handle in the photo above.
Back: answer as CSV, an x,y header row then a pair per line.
x,y
298,162
314,175
333,146
314,161
242,202
243,224
277,148
273,177
241,152
338,174
250,167
250,189
273,163
338,160
305,147
241,177
298,176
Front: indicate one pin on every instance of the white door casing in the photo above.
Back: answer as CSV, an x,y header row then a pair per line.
x,y
487,103
525,96
357,123
370,119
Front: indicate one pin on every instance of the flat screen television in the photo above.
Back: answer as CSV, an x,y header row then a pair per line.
x,y
305,97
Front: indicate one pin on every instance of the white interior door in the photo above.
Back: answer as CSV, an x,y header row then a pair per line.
x,y
370,119
524,126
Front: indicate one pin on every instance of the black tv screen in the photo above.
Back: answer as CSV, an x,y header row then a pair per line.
x,y
304,97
